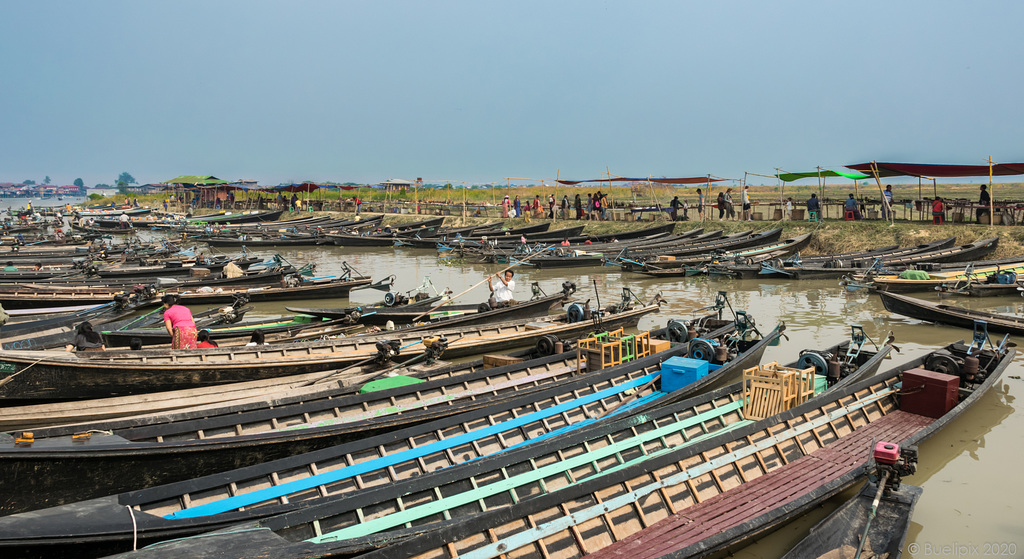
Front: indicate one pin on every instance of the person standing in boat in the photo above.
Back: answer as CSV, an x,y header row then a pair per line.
x,y
179,323
501,294
86,339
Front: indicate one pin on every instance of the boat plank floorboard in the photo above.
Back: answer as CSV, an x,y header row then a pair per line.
x,y
733,508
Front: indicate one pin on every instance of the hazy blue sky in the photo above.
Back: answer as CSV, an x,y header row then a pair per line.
x,y
478,91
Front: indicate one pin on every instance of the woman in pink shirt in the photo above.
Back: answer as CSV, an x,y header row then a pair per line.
x,y
179,323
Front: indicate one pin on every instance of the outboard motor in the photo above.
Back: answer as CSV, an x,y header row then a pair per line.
x,y
568,288
548,344
386,350
435,347
703,349
677,331
892,462
576,313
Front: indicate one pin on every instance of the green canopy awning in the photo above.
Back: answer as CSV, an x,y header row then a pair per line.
x,y
197,180
790,177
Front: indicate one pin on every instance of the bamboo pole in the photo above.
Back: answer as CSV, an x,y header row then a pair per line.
x,y
991,195
478,284
878,180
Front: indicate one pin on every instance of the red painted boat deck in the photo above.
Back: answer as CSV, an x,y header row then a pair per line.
x,y
770,491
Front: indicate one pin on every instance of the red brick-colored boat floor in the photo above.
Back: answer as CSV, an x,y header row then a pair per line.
x,y
770,491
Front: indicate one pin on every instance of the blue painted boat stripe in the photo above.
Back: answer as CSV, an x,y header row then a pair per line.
x,y
260,495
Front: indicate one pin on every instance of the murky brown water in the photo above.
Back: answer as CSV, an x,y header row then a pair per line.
x,y
972,480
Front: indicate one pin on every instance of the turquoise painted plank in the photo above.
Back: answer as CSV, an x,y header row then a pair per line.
x,y
260,495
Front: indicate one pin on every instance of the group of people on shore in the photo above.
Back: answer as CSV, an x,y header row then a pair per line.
x,y
724,203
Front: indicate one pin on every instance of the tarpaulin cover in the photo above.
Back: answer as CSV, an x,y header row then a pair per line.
x,y
684,180
927,170
789,177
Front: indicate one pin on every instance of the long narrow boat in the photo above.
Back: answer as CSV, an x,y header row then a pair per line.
x,y
243,217
25,297
681,267
922,280
188,443
419,507
533,414
668,258
158,335
688,501
49,375
949,314
842,532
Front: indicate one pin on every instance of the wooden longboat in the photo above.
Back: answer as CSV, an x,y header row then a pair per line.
x,y
369,507
57,375
465,317
679,267
949,314
687,503
283,240
850,262
840,534
254,394
233,218
158,450
28,297
533,412
158,335
661,255
936,279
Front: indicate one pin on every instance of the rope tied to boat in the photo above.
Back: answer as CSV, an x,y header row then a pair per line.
x,y
135,528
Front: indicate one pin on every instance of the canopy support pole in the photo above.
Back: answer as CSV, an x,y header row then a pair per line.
x,y
885,202
991,195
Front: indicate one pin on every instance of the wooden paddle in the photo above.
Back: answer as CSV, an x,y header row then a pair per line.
x,y
518,262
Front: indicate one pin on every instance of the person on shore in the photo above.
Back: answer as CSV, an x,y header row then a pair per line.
x,y
203,340
551,206
814,205
851,206
938,211
789,209
986,204
359,204
565,206
675,204
748,215
730,209
501,294
598,208
179,323
517,206
886,201
720,202
257,339
700,204
604,206
578,203
536,206
505,204
86,339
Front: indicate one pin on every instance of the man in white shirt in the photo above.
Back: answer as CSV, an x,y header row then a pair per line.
x,y
502,293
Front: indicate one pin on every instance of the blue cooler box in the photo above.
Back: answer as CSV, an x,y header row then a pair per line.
x,y
679,372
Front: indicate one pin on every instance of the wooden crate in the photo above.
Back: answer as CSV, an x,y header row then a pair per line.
x,y
772,389
491,361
